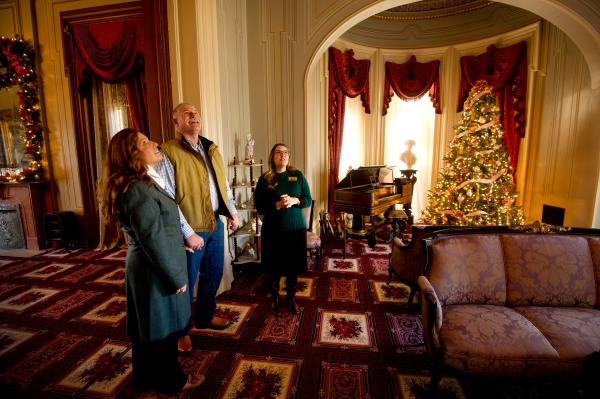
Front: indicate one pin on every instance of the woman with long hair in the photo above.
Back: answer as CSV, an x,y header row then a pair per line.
x,y
280,196
131,193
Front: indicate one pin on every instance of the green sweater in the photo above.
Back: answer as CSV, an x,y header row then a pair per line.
x,y
293,184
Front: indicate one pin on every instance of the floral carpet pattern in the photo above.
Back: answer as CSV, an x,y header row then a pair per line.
x,y
261,377
409,385
394,292
62,333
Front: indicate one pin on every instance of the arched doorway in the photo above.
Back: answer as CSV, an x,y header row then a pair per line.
x,y
582,27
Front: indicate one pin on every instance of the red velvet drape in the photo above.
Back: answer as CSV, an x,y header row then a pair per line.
x,y
411,80
505,69
347,77
113,51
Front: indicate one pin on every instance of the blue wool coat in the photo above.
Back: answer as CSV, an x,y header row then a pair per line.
x,y
156,263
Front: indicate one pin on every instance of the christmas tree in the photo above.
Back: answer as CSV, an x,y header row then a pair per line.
x,y
475,186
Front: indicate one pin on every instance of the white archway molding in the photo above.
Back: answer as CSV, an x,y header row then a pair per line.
x,y
577,20
574,17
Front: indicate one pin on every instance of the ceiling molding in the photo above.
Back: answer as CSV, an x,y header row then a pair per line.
x,y
485,22
433,9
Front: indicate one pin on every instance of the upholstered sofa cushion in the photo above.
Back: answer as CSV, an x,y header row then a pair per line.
x,y
495,340
595,250
573,332
468,270
548,270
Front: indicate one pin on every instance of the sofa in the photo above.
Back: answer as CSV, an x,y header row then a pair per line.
x,y
511,304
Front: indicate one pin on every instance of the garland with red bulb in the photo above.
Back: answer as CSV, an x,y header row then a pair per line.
x,y
21,71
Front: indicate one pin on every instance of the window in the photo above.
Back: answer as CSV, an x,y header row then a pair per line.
x,y
353,143
405,120
409,122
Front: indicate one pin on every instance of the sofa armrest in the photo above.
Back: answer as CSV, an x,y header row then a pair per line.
x,y
431,314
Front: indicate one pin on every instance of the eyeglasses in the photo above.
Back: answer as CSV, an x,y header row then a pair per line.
x,y
279,152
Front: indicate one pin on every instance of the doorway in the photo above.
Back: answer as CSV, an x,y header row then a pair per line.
x,y
101,104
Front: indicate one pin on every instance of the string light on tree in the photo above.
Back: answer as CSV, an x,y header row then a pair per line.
x,y
476,186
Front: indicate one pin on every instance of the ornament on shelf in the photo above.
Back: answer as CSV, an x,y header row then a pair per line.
x,y
249,249
249,149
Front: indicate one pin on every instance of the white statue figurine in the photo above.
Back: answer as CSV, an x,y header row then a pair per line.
x,y
249,148
408,157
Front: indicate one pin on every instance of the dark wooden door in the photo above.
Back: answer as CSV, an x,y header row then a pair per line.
x,y
158,92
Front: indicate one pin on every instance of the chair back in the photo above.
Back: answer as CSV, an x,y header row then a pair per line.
x,y
308,214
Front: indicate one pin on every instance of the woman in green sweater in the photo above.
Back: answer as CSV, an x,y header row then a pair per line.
x,y
280,196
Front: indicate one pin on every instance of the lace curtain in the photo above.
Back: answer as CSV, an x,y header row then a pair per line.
x,y
111,113
411,120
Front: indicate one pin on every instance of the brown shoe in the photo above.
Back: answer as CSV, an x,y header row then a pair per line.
x,y
217,323
194,379
184,345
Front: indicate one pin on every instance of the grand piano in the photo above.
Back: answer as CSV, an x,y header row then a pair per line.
x,y
363,192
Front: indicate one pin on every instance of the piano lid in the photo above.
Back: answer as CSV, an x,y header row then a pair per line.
x,y
364,175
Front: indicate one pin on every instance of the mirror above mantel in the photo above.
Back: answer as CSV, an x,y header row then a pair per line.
x,y
21,133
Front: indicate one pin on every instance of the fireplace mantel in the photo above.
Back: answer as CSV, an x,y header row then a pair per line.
x,y
34,202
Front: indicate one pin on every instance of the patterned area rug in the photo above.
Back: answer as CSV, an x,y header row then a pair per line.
x,y
62,333
413,385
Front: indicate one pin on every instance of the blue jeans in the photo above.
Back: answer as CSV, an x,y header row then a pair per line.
x,y
209,262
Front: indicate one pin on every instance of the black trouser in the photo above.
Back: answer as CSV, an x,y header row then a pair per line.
x,y
156,364
284,254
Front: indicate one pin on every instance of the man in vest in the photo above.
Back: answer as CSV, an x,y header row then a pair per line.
x,y
196,172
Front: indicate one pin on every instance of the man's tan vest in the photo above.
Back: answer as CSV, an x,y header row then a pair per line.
x,y
191,178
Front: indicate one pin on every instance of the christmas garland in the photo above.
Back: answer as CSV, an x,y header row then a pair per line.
x,y
20,71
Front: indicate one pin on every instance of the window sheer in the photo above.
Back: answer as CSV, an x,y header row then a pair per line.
x,y
411,120
405,120
353,143
110,114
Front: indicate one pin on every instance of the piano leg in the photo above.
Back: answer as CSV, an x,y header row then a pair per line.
x,y
358,225
371,239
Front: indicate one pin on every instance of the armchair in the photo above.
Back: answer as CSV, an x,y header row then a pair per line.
x,y
408,257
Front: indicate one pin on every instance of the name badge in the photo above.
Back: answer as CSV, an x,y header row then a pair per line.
x,y
292,178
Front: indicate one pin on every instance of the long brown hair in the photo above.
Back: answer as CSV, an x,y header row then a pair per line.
x,y
271,174
122,167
